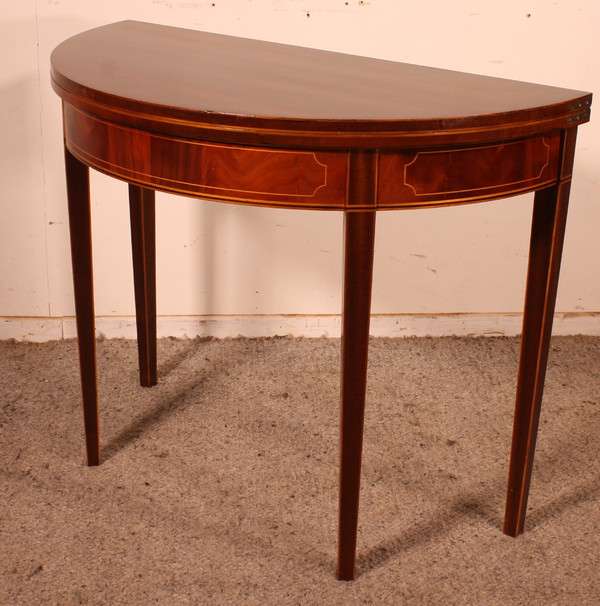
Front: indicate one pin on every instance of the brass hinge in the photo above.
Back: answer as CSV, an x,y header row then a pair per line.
x,y
579,105
583,116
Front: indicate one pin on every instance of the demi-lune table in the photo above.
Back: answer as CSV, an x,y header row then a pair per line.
x,y
250,122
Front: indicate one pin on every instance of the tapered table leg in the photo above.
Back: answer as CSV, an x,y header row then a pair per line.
x,y
547,234
143,244
358,272
78,196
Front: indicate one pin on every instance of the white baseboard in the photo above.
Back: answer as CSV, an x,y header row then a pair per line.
x,y
382,325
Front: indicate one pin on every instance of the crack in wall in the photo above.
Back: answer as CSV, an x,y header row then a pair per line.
x,y
43,156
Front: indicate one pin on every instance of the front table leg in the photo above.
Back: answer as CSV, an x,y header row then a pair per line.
x,y
358,273
78,196
141,210
547,234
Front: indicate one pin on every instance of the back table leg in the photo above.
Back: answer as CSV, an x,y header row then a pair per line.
x,y
78,196
143,245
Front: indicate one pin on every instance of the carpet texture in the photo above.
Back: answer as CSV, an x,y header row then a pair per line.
x,y
219,485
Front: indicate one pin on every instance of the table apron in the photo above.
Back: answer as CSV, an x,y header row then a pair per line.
x,y
312,179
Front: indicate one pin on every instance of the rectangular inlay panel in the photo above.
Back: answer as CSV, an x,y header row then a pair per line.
x,y
287,178
466,174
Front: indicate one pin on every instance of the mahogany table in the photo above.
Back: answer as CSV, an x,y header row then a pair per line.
x,y
251,122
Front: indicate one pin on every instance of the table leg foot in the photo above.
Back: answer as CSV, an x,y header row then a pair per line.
x,y
143,245
359,245
547,234
78,196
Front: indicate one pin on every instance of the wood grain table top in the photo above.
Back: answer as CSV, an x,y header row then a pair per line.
x,y
234,85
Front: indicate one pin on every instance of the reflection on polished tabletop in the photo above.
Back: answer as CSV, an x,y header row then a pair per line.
x,y
251,122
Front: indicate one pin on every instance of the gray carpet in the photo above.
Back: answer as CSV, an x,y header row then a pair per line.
x,y
219,485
